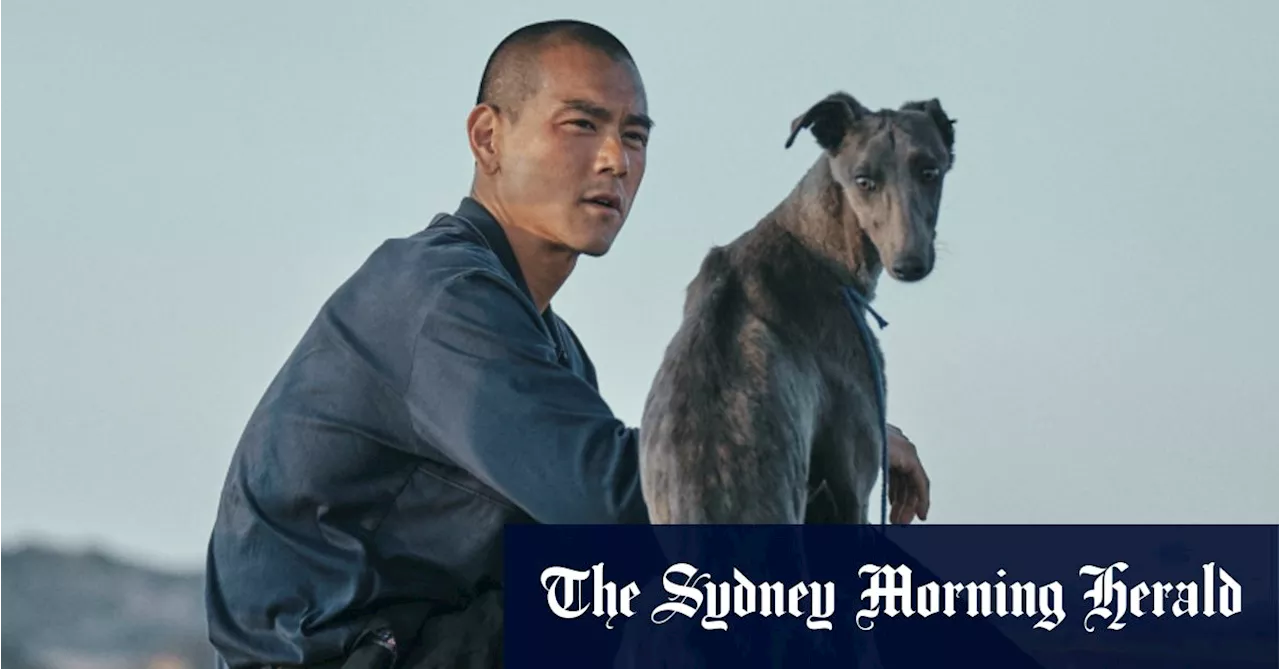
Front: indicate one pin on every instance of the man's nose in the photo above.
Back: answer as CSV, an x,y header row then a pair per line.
x,y
613,157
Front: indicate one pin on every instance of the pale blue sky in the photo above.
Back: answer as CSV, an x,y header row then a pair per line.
x,y
184,185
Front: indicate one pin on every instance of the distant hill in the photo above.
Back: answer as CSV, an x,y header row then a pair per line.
x,y
91,610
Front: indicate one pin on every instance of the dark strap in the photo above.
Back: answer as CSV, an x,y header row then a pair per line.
x,y
856,302
327,664
372,655
388,636
383,643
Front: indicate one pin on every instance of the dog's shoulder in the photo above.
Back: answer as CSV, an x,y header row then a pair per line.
x,y
716,290
716,266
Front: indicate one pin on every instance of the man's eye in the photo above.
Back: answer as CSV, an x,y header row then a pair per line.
x,y
637,137
583,123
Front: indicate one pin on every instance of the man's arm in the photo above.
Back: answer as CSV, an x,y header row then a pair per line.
x,y
908,482
486,390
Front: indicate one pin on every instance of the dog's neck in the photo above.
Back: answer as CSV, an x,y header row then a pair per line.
x,y
820,219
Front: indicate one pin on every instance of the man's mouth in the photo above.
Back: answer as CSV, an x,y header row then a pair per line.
x,y
604,200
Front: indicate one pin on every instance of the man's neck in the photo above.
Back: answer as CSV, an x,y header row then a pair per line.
x,y
544,266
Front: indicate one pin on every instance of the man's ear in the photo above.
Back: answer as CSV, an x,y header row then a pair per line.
x,y
946,125
483,130
830,118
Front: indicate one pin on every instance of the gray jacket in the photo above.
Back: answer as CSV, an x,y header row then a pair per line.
x,y
427,405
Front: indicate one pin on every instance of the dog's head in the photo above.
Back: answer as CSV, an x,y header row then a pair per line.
x,y
890,165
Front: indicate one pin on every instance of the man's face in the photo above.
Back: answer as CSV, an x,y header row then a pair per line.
x,y
571,163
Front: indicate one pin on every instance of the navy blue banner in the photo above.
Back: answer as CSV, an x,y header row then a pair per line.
x,y
902,596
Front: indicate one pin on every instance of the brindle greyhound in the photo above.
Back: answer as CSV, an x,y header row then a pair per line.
x,y
768,389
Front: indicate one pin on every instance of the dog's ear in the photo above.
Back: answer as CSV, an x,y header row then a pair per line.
x,y
946,125
830,118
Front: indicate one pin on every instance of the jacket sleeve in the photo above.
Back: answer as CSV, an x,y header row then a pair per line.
x,y
486,390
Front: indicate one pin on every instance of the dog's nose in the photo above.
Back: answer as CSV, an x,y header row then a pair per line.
x,y
909,268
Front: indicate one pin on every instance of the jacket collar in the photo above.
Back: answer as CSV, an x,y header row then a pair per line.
x,y
495,236
475,213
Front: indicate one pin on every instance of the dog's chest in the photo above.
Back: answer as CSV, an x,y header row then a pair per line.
x,y
847,351
851,364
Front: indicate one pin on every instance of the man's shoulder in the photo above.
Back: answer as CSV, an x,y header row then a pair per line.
x,y
405,280
446,247
416,267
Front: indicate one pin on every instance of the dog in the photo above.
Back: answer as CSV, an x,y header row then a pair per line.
x,y
769,389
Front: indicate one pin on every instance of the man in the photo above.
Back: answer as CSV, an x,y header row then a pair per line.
x,y
437,396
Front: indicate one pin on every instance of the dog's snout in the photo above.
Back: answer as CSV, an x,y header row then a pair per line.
x,y
910,268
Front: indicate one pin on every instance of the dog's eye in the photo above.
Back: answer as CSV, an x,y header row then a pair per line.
x,y
865,183
929,174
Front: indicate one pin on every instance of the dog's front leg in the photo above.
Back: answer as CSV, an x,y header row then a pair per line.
x,y
835,496
820,509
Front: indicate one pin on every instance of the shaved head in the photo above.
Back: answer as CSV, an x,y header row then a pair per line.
x,y
513,72
559,135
